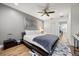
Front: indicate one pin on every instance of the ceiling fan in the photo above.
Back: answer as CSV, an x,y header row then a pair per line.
x,y
46,11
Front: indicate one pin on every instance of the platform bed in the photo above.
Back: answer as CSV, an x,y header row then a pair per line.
x,y
36,49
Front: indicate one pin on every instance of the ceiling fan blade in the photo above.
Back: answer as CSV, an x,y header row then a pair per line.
x,y
51,12
47,14
43,14
39,12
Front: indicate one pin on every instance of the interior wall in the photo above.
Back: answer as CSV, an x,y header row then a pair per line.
x,y
11,22
50,26
74,19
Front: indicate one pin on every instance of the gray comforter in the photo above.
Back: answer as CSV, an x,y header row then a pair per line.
x,y
47,41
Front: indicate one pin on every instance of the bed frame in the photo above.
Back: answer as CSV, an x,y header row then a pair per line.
x,y
33,47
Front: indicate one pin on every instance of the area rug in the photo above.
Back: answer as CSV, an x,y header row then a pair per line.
x,y
62,49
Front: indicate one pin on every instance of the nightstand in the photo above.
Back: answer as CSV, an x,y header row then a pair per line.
x,y
9,43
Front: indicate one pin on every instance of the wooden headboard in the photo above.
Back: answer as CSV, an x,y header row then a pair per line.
x,y
23,33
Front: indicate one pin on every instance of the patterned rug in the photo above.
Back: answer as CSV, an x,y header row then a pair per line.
x,y
62,49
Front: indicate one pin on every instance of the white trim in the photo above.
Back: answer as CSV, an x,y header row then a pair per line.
x,y
1,46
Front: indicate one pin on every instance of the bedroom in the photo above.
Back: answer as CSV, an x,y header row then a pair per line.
x,y
22,22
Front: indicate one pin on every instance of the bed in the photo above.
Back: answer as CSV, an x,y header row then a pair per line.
x,y
44,44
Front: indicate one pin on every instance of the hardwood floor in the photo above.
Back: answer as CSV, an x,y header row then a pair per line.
x,y
19,50
75,51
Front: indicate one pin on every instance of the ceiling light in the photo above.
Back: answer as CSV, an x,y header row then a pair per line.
x,y
61,14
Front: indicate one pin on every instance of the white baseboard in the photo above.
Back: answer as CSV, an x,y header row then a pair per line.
x,y
1,46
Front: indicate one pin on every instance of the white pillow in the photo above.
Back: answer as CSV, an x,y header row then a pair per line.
x,y
32,32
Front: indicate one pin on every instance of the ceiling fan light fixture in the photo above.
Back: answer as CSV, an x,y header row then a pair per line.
x,y
61,14
46,11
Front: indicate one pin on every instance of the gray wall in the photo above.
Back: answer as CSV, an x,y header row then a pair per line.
x,y
12,22
74,19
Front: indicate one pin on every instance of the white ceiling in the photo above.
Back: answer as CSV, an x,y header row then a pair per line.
x,y
33,8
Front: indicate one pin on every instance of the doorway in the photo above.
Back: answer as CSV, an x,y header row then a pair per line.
x,y
63,31
62,28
